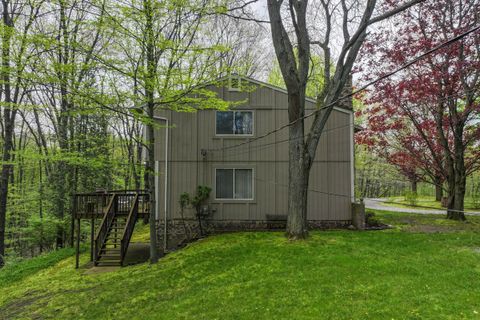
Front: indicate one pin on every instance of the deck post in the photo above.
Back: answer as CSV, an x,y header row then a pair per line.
x,y
72,231
72,227
92,236
77,247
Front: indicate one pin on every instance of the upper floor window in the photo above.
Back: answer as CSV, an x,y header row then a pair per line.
x,y
234,123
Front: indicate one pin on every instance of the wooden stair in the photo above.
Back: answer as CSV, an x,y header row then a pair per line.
x,y
110,254
115,230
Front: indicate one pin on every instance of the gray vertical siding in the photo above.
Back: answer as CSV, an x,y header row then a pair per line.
x,y
331,174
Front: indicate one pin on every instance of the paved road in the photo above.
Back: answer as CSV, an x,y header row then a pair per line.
x,y
377,204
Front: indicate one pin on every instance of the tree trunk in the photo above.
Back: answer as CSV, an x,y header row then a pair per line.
x,y
60,180
449,163
460,180
9,114
299,169
438,189
414,186
151,185
149,94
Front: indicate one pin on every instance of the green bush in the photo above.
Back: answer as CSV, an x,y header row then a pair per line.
x,y
476,196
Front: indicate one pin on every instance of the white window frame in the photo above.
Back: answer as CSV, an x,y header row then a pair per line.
x,y
235,199
235,134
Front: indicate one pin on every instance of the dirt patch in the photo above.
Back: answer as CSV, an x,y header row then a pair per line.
x,y
101,269
425,228
16,308
407,221
372,223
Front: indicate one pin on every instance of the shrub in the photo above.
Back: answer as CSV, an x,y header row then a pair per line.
x,y
411,197
196,201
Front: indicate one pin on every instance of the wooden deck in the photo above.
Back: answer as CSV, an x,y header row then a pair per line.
x,y
119,212
94,205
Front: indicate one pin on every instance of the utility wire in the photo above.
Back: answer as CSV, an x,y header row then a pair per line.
x,y
472,213
373,200
332,104
309,189
266,145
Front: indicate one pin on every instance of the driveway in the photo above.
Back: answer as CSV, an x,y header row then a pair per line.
x,y
377,204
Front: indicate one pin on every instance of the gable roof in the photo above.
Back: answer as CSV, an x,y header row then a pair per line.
x,y
280,89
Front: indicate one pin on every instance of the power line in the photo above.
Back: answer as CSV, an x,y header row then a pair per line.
x,y
332,104
308,189
266,145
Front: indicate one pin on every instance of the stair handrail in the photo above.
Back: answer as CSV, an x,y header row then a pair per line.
x,y
128,230
104,227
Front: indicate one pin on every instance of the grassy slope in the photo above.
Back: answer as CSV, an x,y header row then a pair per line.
x,y
18,271
393,274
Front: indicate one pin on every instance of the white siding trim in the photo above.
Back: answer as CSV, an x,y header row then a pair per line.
x,y
352,157
157,190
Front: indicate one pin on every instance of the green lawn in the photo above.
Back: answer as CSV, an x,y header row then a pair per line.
x,y
424,268
400,202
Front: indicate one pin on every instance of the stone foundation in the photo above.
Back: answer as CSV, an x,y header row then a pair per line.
x,y
181,232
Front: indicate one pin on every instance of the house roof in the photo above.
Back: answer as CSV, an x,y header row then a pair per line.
x,y
280,89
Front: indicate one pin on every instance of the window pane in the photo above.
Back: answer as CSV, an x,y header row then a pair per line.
x,y
243,122
224,184
225,122
243,184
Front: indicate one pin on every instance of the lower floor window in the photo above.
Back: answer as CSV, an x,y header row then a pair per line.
x,y
234,184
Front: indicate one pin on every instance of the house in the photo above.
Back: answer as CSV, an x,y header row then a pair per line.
x,y
249,178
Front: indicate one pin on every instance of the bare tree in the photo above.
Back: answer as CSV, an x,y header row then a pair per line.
x,y
246,42
293,51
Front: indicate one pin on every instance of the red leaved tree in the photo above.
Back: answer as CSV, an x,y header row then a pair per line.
x,y
431,110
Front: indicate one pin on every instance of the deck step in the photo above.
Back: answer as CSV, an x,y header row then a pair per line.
x,y
109,257
108,264
109,250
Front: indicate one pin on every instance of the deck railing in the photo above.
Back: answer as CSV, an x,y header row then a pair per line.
x,y
104,227
94,205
